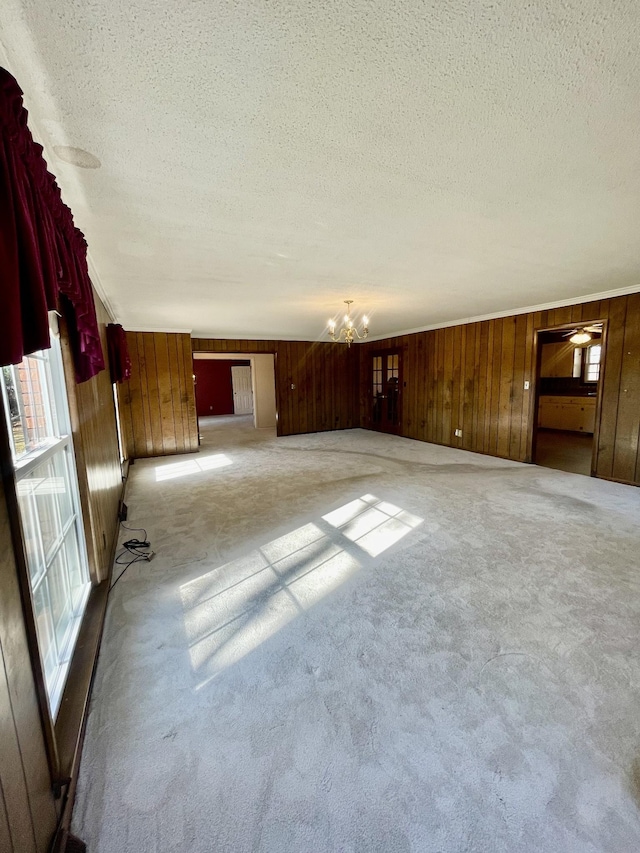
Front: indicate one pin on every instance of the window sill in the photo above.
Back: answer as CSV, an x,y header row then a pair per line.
x,y
70,721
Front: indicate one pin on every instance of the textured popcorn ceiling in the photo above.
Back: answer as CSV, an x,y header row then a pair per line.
x,y
259,162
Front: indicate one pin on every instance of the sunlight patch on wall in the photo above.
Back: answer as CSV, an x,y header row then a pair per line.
x,y
191,466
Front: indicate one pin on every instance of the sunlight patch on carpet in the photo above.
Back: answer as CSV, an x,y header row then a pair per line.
x,y
372,524
191,466
233,609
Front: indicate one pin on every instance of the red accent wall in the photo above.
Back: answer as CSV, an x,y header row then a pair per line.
x,y
214,392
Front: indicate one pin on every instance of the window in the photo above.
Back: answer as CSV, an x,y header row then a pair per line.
x,y
592,362
586,363
37,413
116,403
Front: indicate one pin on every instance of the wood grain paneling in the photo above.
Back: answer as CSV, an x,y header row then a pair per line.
x,y
97,457
28,816
325,376
471,377
157,405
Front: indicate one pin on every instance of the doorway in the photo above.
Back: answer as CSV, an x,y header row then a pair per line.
x,y
263,383
386,391
570,363
214,385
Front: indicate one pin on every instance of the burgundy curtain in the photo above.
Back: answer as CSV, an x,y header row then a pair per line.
x,y
119,360
43,256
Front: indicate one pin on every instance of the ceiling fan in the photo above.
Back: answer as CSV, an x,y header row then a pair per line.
x,y
582,334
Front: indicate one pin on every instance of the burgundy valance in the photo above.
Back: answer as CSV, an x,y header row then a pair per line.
x,y
43,256
119,361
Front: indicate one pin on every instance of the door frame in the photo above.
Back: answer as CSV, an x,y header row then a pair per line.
x,y
535,388
371,354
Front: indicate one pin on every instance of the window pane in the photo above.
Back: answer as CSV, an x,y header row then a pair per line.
x,y
594,354
30,529
44,628
593,373
17,430
41,485
34,398
392,366
76,574
61,611
61,485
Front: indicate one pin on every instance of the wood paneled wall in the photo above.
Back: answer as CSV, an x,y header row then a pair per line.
x,y
158,405
471,377
28,814
97,457
325,376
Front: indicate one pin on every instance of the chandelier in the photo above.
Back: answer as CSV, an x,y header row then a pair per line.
x,y
349,332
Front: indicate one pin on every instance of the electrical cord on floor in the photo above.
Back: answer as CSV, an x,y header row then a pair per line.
x,y
134,548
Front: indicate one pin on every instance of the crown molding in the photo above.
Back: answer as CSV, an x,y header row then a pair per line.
x,y
513,312
94,275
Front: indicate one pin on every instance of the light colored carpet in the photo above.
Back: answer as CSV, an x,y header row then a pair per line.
x,y
353,642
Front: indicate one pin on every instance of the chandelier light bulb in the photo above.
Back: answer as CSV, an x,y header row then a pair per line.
x,y
348,333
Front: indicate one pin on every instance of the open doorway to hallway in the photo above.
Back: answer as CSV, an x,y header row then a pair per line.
x,y
248,383
215,391
569,370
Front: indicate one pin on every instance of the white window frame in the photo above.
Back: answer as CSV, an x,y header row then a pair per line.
x,y
55,652
591,365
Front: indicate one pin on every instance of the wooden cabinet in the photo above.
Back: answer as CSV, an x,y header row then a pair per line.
x,y
577,414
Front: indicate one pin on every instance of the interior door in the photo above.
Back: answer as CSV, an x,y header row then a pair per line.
x,y
242,392
386,390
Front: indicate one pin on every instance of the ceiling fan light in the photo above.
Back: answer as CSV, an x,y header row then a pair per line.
x,y
580,337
